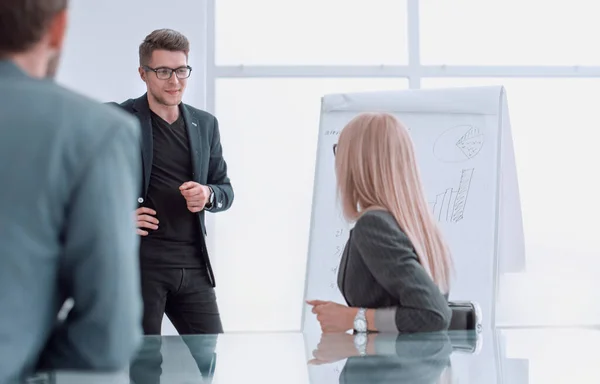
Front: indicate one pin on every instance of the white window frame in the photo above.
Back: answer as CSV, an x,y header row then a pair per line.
x,y
414,71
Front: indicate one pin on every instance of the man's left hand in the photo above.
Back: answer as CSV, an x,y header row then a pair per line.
x,y
195,194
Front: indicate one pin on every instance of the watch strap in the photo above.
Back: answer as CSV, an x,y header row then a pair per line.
x,y
211,198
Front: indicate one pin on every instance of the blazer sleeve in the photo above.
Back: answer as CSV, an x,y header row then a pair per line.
x,y
217,174
389,256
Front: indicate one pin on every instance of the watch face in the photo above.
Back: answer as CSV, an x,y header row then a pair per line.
x,y
360,325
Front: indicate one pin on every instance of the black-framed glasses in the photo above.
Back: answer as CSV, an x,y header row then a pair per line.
x,y
334,149
164,73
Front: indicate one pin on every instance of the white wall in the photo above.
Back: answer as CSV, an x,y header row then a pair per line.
x,y
101,53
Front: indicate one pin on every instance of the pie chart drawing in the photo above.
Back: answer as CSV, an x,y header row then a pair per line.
x,y
458,144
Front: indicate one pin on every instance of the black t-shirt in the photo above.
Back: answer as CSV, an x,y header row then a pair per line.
x,y
176,241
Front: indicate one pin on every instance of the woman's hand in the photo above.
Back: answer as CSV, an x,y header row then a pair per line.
x,y
333,317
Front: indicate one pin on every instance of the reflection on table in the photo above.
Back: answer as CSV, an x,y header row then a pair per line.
x,y
511,356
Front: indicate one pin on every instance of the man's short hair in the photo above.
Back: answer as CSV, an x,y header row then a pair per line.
x,y
24,22
163,39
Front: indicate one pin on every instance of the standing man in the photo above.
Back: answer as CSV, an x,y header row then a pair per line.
x,y
184,175
69,180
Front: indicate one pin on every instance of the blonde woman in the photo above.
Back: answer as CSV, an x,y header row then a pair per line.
x,y
395,269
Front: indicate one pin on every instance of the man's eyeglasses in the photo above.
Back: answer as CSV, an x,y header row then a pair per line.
x,y
334,149
164,73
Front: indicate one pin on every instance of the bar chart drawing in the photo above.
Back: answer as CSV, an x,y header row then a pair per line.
x,y
449,206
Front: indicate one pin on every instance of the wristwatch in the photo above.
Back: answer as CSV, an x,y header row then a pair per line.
x,y
211,199
360,320
360,343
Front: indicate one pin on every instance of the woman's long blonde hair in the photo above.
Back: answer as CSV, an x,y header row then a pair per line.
x,y
376,168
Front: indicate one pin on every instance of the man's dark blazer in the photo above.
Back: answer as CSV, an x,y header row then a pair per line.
x,y
208,165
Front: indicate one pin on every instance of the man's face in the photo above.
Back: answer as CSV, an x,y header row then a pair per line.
x,y
167,92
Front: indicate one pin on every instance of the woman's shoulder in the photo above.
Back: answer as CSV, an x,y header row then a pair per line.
x,y
378,221
377,218
378,230
377,214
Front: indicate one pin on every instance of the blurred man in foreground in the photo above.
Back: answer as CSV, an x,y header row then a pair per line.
x,y
69,179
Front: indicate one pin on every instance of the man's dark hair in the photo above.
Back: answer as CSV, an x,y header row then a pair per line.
x,y
24,22
163,39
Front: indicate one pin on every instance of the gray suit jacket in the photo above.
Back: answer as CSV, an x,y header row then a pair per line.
x,y
379,269
70,177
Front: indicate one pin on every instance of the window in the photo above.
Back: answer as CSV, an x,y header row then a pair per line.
x,y
321,32
509,32
269,130
270,125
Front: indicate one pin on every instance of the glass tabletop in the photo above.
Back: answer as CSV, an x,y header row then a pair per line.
x,y
502,356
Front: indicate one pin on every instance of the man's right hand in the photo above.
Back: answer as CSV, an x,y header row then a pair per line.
x,y
145,219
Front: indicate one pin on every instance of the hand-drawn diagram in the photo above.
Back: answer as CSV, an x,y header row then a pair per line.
x,y
460,143
449,206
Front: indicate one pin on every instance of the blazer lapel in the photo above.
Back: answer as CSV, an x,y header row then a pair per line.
x,y
195,140
142,111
